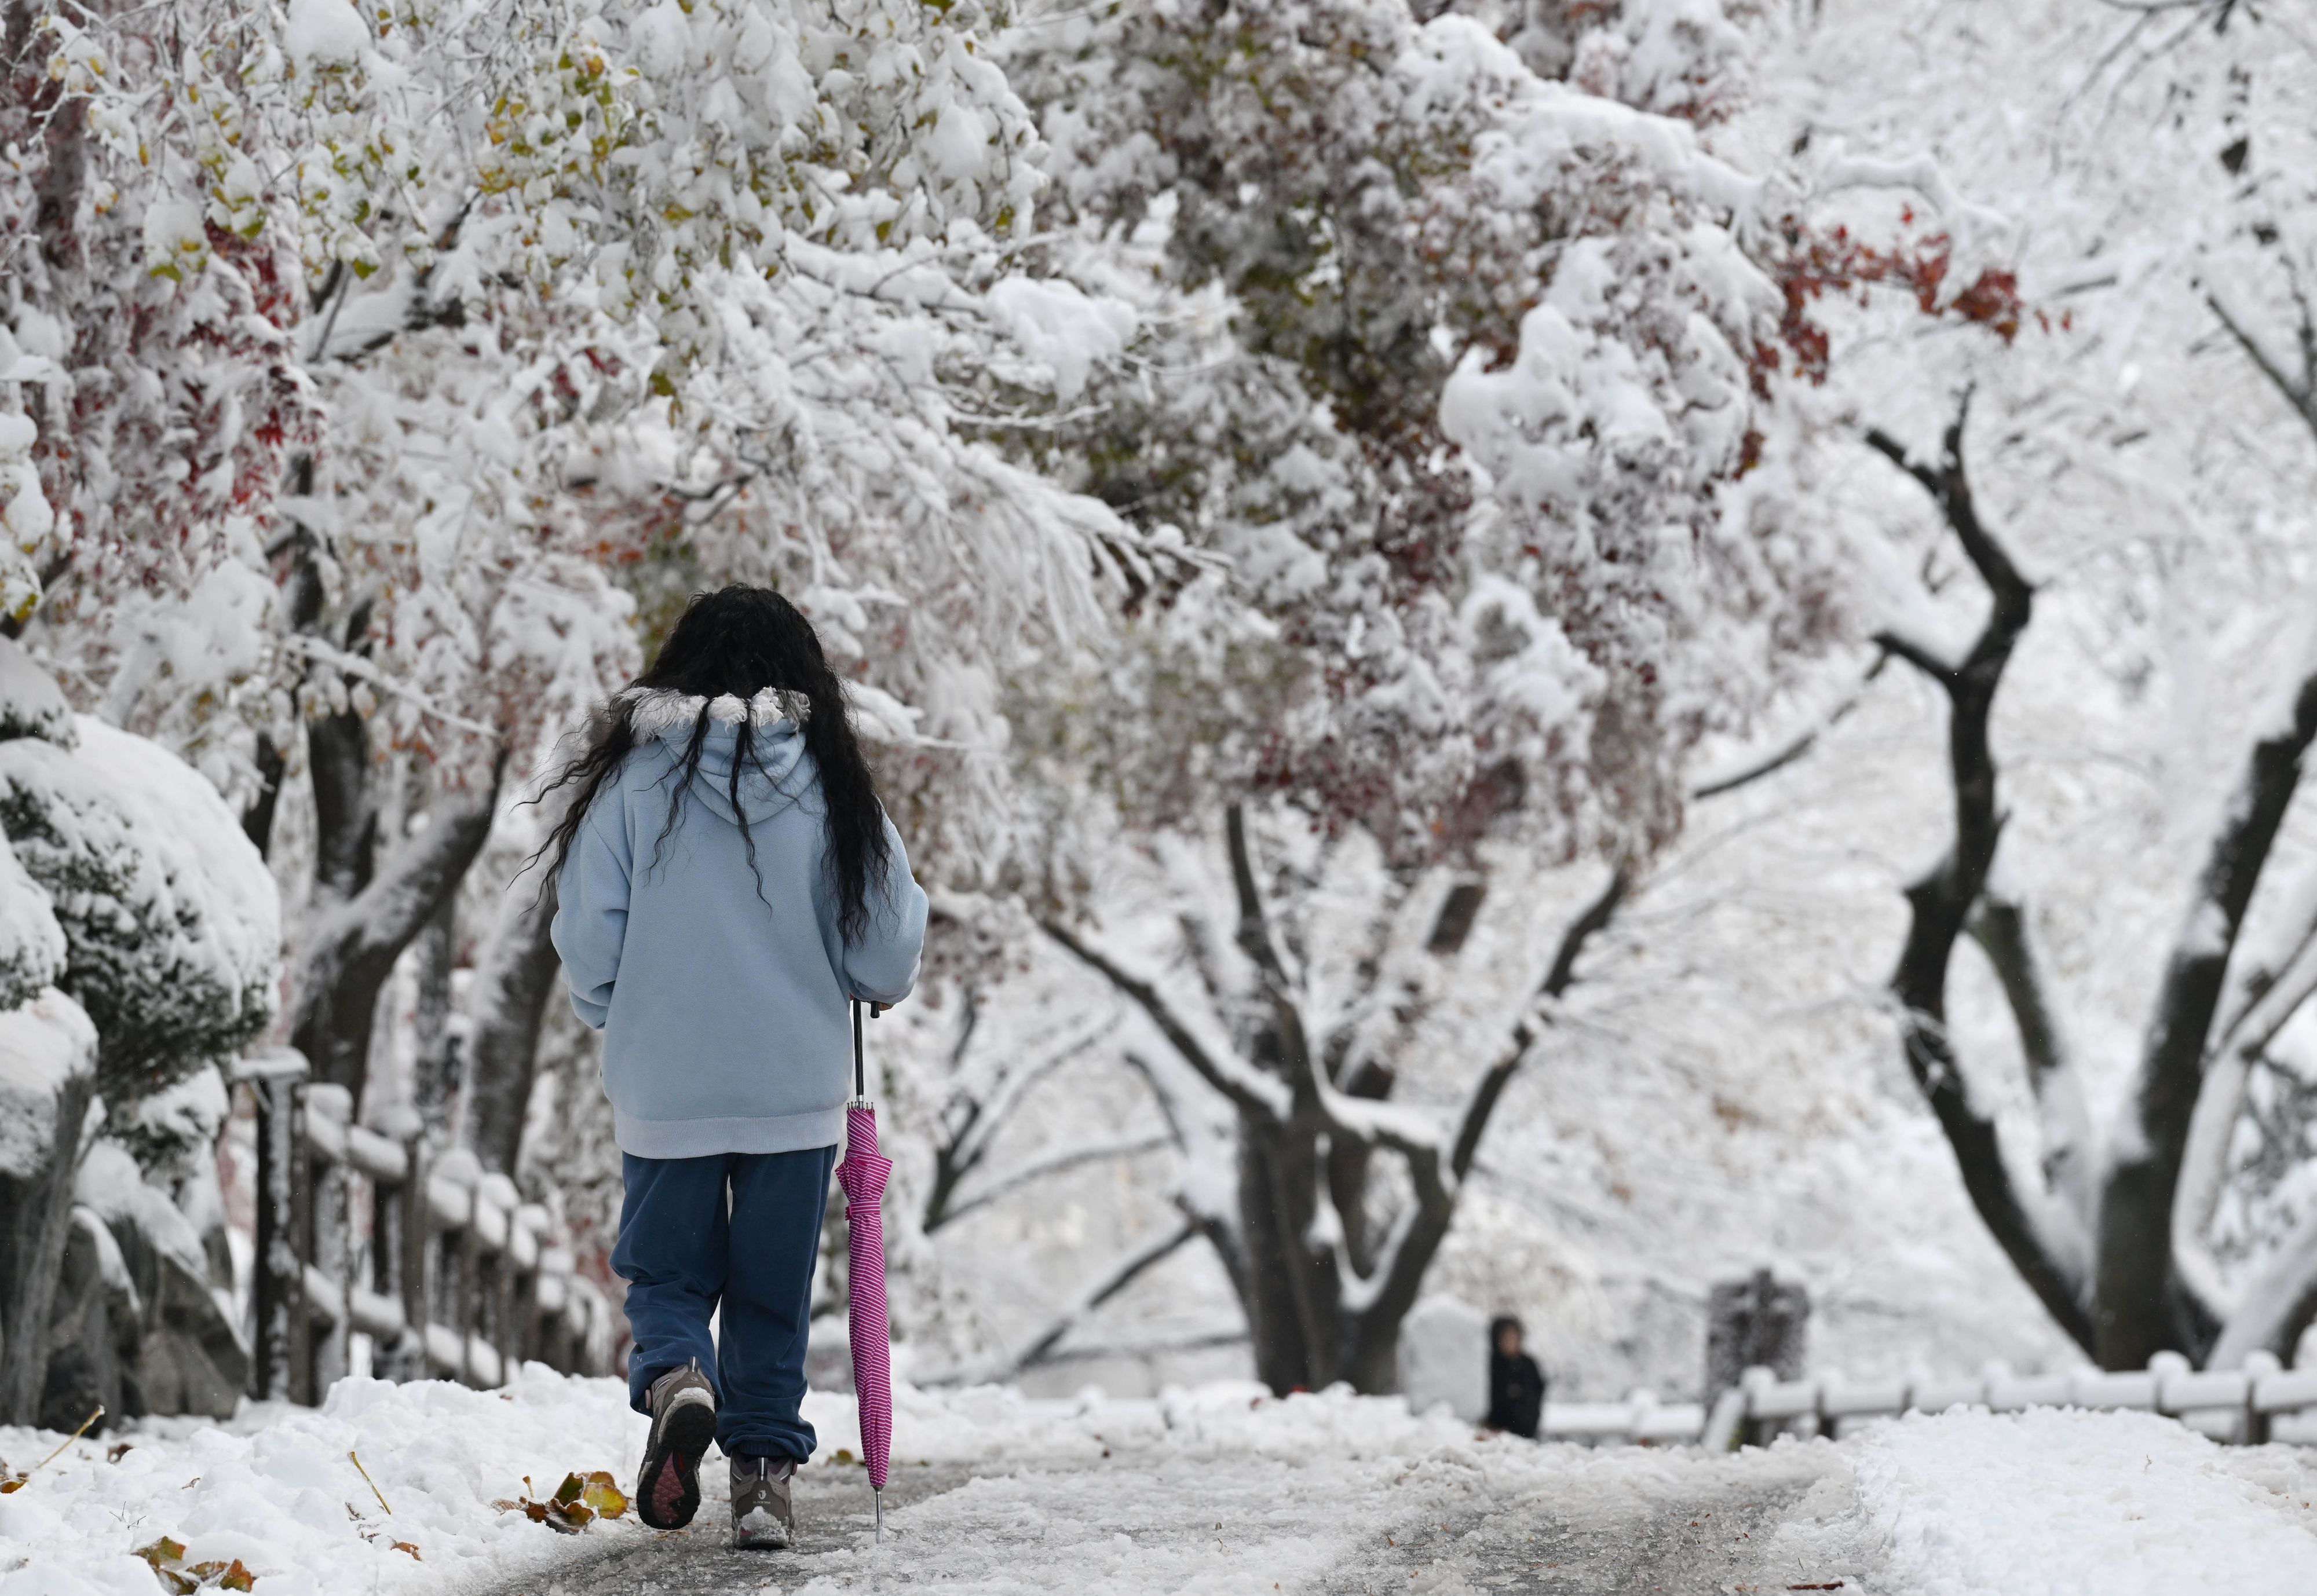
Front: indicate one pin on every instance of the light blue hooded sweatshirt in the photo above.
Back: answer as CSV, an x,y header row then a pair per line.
x,y
724,1010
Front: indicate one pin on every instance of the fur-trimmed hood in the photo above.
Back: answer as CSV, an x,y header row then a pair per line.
x,y
778,772
656,711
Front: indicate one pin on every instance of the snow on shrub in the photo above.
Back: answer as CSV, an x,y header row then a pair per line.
x,y
31,942
172,920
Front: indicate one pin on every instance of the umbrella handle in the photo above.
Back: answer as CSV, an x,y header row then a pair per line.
x,y
859,1075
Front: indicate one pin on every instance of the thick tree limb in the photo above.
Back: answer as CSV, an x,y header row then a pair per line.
x,y
1254,926
1403,1257
2204,1160
1557,980
519,974
1941,902
350,948
2278,1306
1922,658
2136,1279
2001,933
2000,930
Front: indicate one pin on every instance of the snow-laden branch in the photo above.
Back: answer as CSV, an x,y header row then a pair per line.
x,y
2149,1145
1121,1275
2278,1305
2205,1162
1772,763
1380,1299
1920,173
1249,1091
1920,655
1044,1169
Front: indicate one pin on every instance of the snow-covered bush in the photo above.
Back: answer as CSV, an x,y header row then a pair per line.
x,y
172,922
31,942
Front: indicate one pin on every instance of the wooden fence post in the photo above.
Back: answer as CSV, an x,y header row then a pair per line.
x,y
277,1294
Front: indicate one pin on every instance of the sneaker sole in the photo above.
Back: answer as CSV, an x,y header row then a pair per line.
x,y
681,1442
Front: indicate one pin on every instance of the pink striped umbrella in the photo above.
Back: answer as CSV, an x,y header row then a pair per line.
x,y
862,1174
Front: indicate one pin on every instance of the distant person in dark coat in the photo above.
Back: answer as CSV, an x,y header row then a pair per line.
x,y
1516,1383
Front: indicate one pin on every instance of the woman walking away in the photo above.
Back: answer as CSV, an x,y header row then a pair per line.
x,y
725,880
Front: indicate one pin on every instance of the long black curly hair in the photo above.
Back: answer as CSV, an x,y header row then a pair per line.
x,y
741,640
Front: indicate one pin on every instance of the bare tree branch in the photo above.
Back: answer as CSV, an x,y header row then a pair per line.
x,y
2001,933
1794,750
1916,655
1121,1275
1557,981
1253,926
2301,393
1046,1168
970,1123
1245,1093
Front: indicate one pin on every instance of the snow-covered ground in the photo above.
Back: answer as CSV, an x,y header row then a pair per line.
x,y
1220,1488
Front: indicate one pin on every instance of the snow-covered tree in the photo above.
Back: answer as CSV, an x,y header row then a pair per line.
x,y
365,356
2133,521
1466,372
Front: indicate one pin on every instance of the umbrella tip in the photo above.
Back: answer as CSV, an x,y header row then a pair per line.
x,y
880,1516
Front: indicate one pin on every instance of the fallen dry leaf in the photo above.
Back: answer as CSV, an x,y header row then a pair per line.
x,y
603,1494
577,1502
229,1576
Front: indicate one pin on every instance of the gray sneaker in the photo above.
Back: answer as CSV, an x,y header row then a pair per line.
x,y
762,1515
684,1421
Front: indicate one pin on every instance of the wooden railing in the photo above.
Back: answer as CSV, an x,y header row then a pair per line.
x,y
453,1275
2260,1401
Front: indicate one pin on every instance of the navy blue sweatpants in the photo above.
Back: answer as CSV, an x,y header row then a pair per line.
x,y
682,1252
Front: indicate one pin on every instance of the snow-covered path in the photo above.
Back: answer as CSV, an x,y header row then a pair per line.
x,y
1135,1523
1220,1489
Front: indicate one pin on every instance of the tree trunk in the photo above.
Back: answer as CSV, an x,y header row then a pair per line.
x,y
521,970
351,948
35,1219
1277,1193
1315,1314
